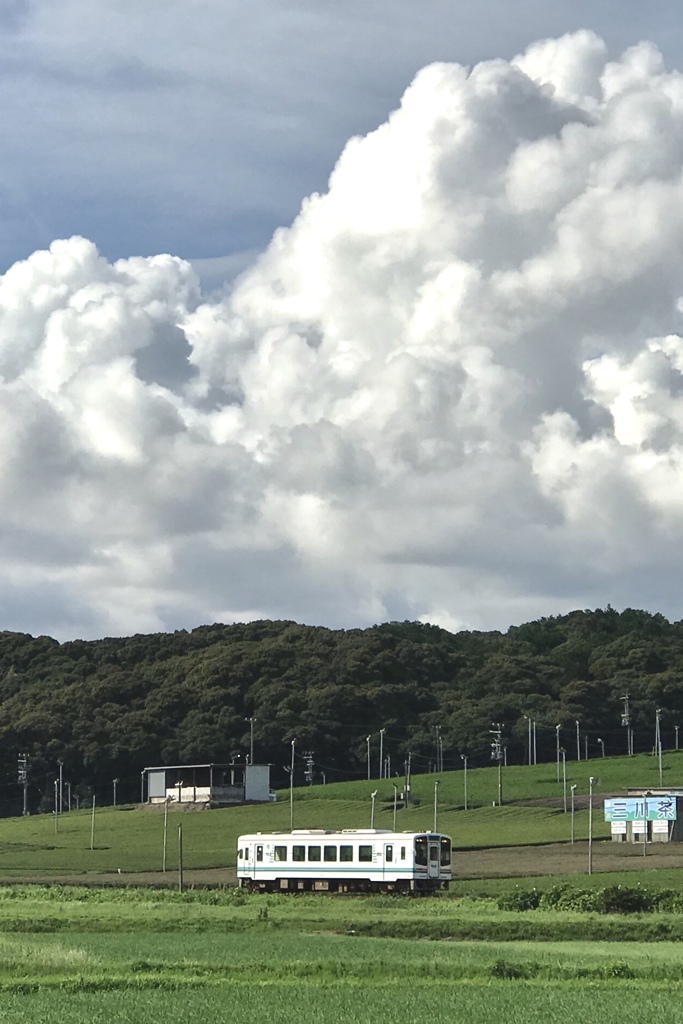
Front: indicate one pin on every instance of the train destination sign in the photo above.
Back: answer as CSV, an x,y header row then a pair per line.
x,y
656,808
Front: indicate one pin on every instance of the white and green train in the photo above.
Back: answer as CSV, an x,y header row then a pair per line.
x,y
350,860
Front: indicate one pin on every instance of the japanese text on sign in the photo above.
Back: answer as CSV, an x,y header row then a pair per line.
x,y
654,808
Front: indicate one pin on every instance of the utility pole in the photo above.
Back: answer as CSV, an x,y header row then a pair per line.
x,y
291,790
436,802
367,740
116,782
498,755
564,778
437,729
528,721
251,738
626,723
573,790
645,829
535,758
557,748
373,795
61,791
578,741
395,799
602,747
591,783
407,800
22,779
676,728
163,859
68,796
464,764
658,742
308,770
381,753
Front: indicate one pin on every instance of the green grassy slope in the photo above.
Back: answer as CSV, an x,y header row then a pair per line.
x,y
131,840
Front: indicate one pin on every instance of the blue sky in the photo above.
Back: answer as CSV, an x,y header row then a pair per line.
x,y
339,314
197,128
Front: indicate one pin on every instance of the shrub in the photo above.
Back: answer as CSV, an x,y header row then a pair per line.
x,y
552,898
668,901
622,899
519,899
619,969
504,969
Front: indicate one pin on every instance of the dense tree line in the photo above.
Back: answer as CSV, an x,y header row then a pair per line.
x,y
111,707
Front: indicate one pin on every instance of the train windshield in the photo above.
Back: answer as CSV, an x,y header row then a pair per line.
x,y
445,852
421,851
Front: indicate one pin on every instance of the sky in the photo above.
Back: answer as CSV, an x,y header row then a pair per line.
x,y
339,314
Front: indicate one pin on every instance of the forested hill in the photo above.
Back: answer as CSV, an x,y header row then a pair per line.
x,y
110,707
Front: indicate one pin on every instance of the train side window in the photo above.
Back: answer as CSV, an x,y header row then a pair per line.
x,y
239,853
365,854
298,853
421,851
403,853
445,852
314,852
280,853
330,853
388,853
259,853
346,853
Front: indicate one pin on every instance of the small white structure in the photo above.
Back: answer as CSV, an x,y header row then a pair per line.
x,y
215,785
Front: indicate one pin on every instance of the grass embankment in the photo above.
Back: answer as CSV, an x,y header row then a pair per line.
x,y
130,840
230,911
520,782
133,841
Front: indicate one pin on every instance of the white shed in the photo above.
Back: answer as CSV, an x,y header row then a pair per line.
x,y
215,785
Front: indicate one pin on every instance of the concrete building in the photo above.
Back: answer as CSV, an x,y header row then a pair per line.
x,y
214,785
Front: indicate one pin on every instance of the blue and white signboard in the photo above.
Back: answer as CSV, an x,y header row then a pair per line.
x,y
655,808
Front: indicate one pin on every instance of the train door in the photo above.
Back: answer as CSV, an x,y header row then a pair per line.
x,y
388,867
434,861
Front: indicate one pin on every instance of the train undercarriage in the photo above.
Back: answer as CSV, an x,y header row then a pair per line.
x,y
416,886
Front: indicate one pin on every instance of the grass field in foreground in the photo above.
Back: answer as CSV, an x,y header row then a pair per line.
x,y
293,1002
302,961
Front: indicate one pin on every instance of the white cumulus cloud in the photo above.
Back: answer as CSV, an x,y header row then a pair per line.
x,y
452,390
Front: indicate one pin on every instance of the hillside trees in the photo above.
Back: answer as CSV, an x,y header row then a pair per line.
x,y
109,708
